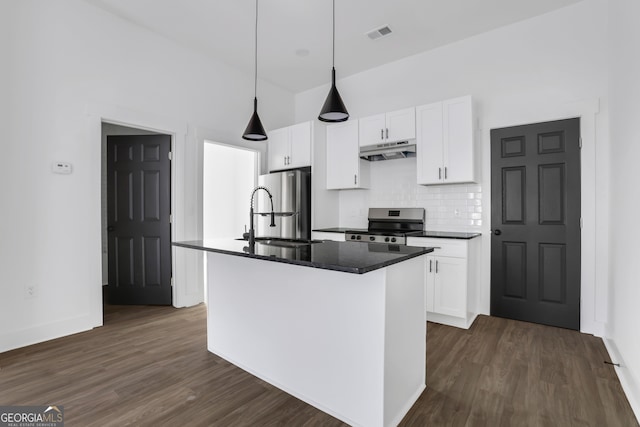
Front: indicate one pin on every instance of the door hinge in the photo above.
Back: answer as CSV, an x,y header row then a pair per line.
x,y
170,155
581,223
170,219
580,142
172,281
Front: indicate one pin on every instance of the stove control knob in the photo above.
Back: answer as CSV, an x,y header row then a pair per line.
x,y
393,239
358,237
386,239
353,236
372,238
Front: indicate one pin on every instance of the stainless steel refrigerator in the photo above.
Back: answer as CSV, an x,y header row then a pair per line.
x,y
291,192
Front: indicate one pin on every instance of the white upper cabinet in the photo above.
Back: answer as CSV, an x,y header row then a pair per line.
x,y
278,148
345,169
389,127
444,139
290,147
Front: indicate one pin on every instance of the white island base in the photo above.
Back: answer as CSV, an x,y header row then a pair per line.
x,y
352,345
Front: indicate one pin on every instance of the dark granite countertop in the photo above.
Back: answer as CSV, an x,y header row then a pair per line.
x,y
435,234
340,230
447,235
348,257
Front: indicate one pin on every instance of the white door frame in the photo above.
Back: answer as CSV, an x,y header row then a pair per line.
x,y
593,302
96,115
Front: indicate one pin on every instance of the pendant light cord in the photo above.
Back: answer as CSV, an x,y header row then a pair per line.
x,y
255,79
333,59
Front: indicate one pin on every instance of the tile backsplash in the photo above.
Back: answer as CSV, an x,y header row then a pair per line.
x,y
450,207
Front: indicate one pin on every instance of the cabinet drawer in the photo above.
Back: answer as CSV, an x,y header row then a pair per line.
x,y
444,247
325,235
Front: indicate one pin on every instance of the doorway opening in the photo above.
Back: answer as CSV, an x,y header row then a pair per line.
x,y
136,216
229,176
536,223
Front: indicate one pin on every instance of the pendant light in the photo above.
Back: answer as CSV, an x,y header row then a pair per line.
x,y
333,109
255,130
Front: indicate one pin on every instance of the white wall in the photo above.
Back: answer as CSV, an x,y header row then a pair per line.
x,y
69,65
393,184
324,204
230,175
545,68
4,71
624,339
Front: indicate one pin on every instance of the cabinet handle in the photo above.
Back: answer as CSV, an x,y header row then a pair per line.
x,y
439,173
436,266
387,129
445,172
355,179
430,265
381,134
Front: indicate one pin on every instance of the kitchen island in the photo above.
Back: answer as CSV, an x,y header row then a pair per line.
x,y
340,325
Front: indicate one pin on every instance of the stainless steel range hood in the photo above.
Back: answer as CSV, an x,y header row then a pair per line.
x,y
388,151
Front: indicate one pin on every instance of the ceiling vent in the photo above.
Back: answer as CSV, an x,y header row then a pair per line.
x,y
379,32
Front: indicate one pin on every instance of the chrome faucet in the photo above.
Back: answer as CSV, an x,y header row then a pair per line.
x,y
252,236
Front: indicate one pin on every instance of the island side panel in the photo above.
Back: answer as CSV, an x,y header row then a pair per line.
x,y
405,338
317,334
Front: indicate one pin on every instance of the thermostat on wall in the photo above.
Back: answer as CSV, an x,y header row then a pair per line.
x,y
61,167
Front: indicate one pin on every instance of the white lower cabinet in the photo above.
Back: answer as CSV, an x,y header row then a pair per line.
x,y
327,235
446,286
451,280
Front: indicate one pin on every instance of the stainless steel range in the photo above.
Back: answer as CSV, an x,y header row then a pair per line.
x,y
390,225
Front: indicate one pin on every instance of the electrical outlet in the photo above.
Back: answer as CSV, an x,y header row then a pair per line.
x,y
29,291
456,212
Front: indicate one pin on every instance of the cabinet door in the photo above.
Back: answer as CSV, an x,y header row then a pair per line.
x,y
300,145
458,137
450,286
430,278
371,130
278,146
429,139
401,125
343,161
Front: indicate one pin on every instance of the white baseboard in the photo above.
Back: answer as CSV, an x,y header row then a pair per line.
x,y
37,334
594,328
629,384
458,322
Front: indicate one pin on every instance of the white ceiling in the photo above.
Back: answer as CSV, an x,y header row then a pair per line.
x,y
224,29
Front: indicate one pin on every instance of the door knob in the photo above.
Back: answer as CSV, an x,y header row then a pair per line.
x,y
497,232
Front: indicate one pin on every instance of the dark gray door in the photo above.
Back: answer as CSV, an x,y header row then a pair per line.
x,y
535,222
138,217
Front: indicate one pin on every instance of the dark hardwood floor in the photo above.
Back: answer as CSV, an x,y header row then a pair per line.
x,y
149,366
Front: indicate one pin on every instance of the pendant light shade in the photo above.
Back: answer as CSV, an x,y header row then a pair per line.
x,y
333,109
255,130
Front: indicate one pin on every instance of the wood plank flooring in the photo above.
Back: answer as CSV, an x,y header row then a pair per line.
x,y
148,366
